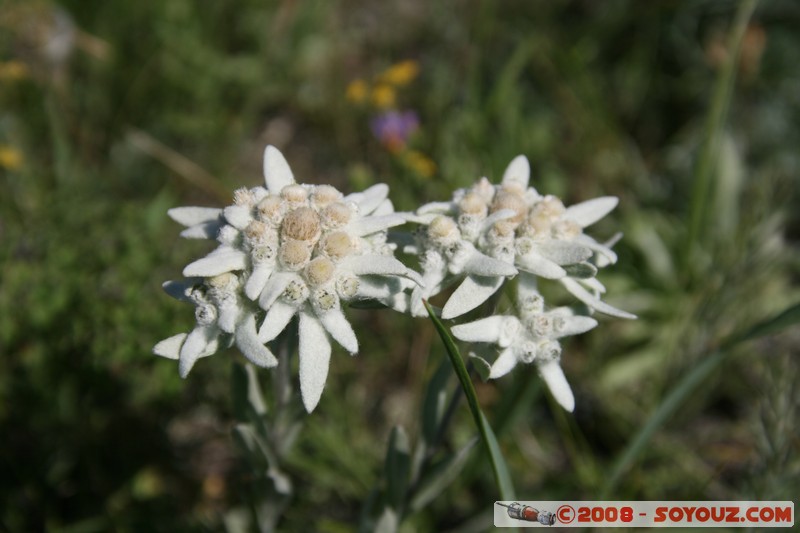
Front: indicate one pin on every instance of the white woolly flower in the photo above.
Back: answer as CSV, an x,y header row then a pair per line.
x,y
301,249
448,256
512,224
221,321
531,338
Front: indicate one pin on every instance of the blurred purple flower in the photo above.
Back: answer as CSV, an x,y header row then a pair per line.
x,y
393,128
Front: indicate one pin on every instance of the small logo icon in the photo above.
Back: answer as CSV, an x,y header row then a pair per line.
x,y
565,514
529,514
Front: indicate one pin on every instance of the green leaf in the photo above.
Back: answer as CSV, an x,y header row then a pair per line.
x,y
581,270
397,467
499,468
435,403
439,476
248,400
261,457
257,451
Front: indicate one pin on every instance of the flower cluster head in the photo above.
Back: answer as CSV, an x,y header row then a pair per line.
x,y
487,234
286,249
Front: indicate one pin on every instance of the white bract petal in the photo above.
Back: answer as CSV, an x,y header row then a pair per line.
x,y
536,264
594,285
527,288
497,216
573,325
553,377
386,207
436,208
238,216
484,330
607,255
258,280
192,216
194,346
278,317
170,347
373,288
588,212
583,295
504,364
275,286
315,355
180,290
340,329
277,173
228,315
518,172
563,252
251,347
373,224
369,200
206,230
223,259
378,264
585,271
483,265
472,292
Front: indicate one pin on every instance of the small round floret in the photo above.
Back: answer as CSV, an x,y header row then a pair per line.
x,y
508,200
336,215
302,224
337,244
294,254
324,195
294,194
319,271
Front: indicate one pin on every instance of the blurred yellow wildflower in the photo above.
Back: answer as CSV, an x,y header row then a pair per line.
x,y
401,73
383,96
13,70
419,163
357,91
10,157
381,91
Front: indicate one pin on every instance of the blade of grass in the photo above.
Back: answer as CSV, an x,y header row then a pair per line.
x,y
499,467
781,321
689,383
720,102
178,163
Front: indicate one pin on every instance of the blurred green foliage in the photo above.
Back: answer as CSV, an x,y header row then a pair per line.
x,y
111,112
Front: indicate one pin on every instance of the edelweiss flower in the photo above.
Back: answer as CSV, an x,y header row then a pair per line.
x,y
513,224
298,249
532,338
221,320
448,256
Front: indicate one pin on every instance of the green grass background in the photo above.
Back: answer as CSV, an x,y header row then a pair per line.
x,y
605,98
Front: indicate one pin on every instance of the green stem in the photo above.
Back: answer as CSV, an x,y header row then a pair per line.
x,y
499,468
